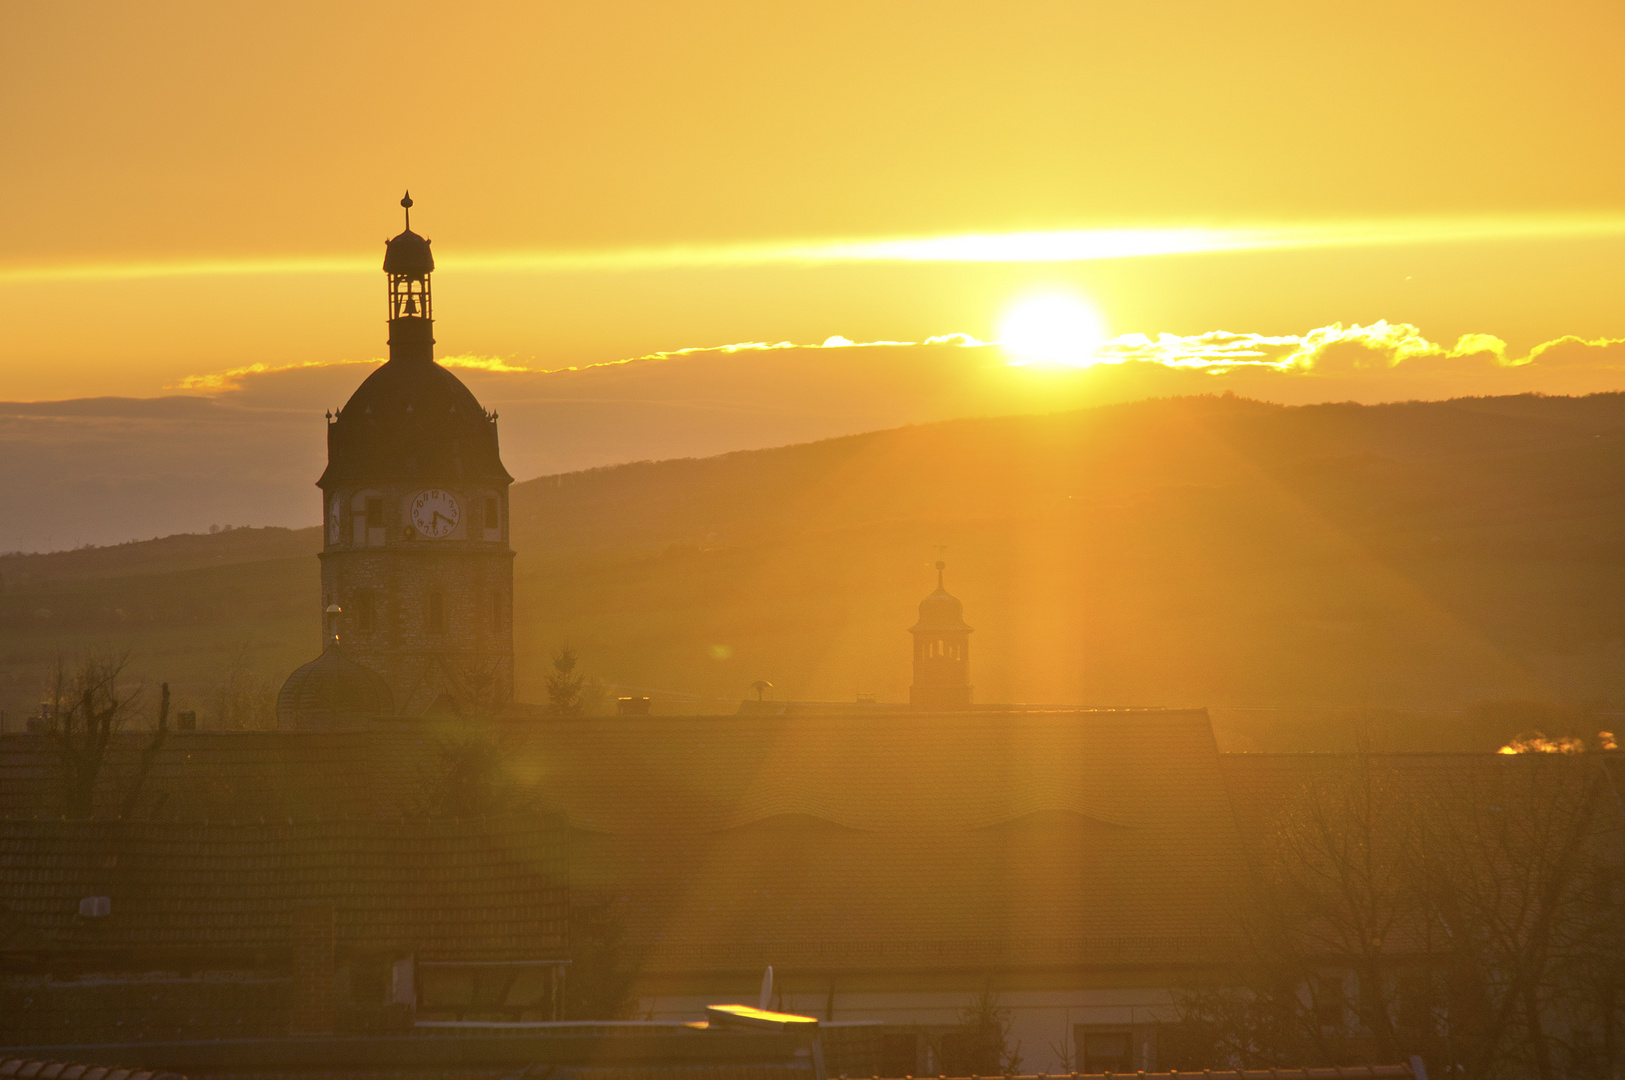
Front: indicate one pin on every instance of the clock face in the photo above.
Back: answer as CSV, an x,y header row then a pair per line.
x,y
434,513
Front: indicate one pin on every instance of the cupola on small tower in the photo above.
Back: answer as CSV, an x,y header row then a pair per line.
x,y
941,652
415,501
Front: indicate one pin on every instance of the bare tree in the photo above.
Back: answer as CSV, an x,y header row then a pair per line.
x,y
1515,853
246,697
480,691
598,984
1449,909
88,706
1332,901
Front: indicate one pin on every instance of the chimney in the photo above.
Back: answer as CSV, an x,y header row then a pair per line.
x,y
310,1009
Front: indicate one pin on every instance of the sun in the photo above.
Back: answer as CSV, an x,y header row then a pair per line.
x,y
1055,328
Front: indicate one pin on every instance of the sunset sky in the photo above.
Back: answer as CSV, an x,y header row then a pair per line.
x,y
193,189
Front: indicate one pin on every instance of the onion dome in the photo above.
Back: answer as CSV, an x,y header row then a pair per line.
x,y
412,420
331,691
941,610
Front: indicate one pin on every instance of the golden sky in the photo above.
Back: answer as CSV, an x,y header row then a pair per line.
x,y
190,188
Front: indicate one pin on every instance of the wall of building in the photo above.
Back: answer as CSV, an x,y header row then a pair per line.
x,y
386,575
1045,1025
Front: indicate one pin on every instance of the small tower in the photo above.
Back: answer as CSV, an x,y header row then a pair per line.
x,y
408,263
941,652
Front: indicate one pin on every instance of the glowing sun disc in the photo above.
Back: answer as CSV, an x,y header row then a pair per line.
x,y
1053,329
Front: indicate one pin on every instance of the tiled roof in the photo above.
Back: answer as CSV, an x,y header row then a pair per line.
x,y
441,889
62,1070
906,842
687,1072
241,776
1330,1072
861,842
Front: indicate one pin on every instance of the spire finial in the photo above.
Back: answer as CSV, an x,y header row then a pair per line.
x,y
941,566
406,204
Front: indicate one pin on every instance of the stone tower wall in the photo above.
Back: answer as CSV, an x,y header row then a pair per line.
x,y
385,578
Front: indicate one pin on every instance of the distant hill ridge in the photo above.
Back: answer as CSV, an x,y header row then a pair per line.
x,y
1211,551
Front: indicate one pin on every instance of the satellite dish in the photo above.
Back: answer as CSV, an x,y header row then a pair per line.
x,y
766,997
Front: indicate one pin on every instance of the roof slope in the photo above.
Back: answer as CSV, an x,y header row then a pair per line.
x,y
872,842
902,842
440,889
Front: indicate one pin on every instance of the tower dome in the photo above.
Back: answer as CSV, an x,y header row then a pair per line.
x,y
408,254
413,419
331,691
941,610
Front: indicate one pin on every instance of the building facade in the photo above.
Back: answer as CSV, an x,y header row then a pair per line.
x,y
417,572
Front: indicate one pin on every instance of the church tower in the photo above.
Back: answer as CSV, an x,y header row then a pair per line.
x,y
415,501
941,652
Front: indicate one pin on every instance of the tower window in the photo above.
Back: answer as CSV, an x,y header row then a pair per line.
x,y
437,613
361,605
493,513
496,613
375,512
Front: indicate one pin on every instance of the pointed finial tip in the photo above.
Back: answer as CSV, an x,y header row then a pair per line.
x,y
406,201
941,565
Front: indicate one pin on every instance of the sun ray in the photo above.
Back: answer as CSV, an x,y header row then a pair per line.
x,y
1041,246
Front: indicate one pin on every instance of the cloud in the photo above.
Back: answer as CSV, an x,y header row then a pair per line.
x,y
233,378
1379,346
245,444
1358,350
237,378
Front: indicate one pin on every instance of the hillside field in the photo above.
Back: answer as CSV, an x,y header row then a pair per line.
x,y
1437,572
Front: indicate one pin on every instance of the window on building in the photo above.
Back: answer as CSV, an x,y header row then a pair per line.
x,y
361,608
1105,1051
437,613
375,511
971,1053
900,1054
500,991
493,513
1331,1001
496,613
1416,1003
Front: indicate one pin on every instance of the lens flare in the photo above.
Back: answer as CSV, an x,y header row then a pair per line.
x,y
1058,328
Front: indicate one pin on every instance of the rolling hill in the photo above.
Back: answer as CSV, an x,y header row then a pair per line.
x,y
1288,566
